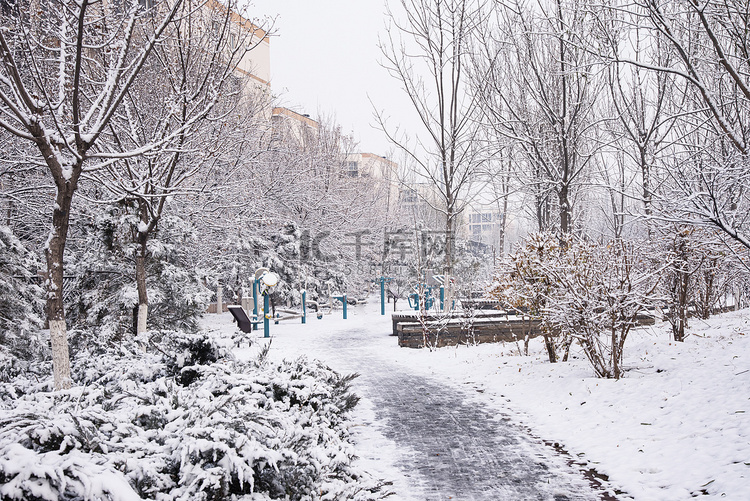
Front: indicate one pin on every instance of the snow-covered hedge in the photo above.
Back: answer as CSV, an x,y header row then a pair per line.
x,y
184,422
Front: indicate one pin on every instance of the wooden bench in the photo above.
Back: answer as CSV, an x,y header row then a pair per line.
x,y
480,328
243,321
413,316
454,332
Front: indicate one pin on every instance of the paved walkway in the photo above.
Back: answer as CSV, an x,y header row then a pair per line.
x,y
455,450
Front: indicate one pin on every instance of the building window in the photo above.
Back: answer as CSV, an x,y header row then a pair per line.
x,y
352,169
409,196
487,217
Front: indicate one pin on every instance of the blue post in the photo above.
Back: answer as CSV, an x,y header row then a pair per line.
x,y
382,295
255,299
341,298
304,307
266,314
442,298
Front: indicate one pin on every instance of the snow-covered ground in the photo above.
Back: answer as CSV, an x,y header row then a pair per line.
x,y
677,426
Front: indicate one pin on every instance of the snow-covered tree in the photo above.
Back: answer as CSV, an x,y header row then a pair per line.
x,y
539,89
204,128
709,55
67,67
21,303
295,210
106,298
644,105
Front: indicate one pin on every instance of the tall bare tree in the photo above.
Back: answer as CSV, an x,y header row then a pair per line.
x,y
642,103
427,51
541,95
711,54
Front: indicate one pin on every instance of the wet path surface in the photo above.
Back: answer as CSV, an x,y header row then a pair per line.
x,y
454,448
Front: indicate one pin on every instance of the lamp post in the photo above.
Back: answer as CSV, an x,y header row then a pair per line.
x,y
266,280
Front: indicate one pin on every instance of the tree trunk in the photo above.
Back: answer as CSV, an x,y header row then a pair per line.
x,y
142,317
55,272
448,271
549,343
60,355
140,282
564,210
503,219
646,182
616,354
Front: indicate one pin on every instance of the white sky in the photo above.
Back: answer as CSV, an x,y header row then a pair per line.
x,y
325,62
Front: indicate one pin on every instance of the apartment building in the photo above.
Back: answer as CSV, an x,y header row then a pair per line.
x,y
383,171
484,225
288,125
256,63
371,165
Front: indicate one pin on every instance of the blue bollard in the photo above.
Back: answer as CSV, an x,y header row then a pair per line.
x,y
383,280
304,307
341,298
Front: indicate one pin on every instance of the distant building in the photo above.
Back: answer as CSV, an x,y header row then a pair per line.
x,y
370,165
256,64
484,225
422,202
289,125
254,68
383,171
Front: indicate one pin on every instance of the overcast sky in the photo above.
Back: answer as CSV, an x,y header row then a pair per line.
x,y
324,62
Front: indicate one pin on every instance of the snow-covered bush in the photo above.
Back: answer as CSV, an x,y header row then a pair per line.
x,y
600,293
522,283
21,306
184,422
705,273
582,292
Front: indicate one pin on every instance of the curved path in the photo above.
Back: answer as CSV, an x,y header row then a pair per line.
x,y
454,449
